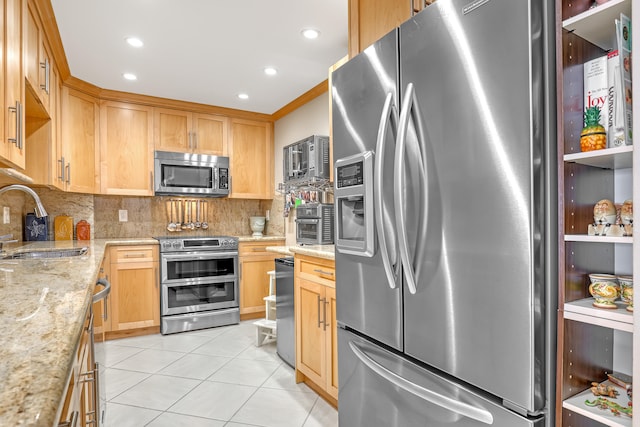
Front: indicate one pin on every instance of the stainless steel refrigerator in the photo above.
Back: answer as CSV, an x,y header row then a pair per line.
x,y
446,220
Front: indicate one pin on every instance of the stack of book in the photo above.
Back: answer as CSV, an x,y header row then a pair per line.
x,y
607,84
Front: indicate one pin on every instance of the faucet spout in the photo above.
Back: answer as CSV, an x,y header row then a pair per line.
x,y
40,210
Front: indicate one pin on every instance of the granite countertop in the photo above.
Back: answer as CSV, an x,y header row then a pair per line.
x,y
42,307
319,251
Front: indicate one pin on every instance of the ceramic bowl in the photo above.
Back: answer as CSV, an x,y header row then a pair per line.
x,y
626,290
604,289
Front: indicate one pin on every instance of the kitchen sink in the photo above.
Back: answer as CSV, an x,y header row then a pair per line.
x,y
48,253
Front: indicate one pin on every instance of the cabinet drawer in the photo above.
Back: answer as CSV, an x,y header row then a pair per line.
x,y
257,248
140,253
323,272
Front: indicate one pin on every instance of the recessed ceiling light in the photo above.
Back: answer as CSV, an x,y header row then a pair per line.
x,y
270,71
130,76
310,33
134,41
243,96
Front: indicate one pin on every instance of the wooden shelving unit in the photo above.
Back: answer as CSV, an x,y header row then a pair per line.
x,y
592,341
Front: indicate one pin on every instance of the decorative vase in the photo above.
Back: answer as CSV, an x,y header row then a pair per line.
x,y
604,289
626,290
257,225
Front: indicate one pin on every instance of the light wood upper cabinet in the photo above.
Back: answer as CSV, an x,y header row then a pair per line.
x,y
251,159
12,148
184,131
369,20
126,149
37,57
80,141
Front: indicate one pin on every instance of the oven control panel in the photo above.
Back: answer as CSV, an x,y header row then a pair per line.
x,y
169,244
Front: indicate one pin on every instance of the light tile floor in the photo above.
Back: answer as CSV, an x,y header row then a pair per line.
x,y
210,378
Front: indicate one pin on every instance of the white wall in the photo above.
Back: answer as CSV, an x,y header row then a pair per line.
x,y
310,119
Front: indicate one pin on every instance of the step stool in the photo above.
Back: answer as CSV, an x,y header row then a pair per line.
x,y
266,328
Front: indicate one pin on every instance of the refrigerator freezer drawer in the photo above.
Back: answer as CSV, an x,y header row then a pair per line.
x,y
379,388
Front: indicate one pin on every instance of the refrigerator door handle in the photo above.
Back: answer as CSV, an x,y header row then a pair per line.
x,y
445,402
389,258
409,109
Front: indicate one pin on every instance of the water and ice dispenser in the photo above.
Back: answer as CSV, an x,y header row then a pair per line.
x,y
353,195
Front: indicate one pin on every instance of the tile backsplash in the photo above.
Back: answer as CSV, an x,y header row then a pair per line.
x,y
147,216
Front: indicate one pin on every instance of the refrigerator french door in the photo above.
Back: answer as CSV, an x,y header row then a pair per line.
x,y
445,203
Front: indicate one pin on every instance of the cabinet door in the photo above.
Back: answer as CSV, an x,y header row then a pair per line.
x,y
12,147
102,309
369,20
80,119
254,284
210,134
311,347
172,130
126,149
251,158
135,297
37,57
331,341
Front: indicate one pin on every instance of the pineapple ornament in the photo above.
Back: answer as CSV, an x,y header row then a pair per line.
x,y
593,135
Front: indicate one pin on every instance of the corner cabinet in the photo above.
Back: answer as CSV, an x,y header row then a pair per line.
x,y
316,328
126,149
592,342
254,262
251,157
79,161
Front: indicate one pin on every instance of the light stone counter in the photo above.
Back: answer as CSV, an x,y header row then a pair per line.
x,y
259,239
42,307
319,251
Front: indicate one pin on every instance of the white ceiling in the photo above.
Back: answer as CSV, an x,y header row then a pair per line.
x,y
204,51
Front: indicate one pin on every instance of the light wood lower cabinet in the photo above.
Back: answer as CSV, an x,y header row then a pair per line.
x,y
316,329
254,263
101,309
80,400
135,290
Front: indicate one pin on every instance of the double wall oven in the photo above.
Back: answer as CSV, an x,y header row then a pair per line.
x,y
199,283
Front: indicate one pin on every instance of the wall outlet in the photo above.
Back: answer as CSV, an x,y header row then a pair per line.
x,y
6,215
123,215
266,215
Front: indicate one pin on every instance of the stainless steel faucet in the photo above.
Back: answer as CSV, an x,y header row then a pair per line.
x,y
40,210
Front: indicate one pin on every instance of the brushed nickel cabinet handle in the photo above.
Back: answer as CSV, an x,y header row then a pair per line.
x,y
18,139
326,303
46,66
137,255
326,273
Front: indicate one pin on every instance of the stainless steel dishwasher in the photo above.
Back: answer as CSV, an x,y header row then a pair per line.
x,y
286,341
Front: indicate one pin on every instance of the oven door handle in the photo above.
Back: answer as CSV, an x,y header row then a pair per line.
x,y
307,220
194,256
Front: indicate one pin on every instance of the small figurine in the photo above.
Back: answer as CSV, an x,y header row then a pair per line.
x,y
626,217
603,390
604,216
615,408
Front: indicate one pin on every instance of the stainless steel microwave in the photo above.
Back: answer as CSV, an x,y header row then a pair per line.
x,y
191,174
306,160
